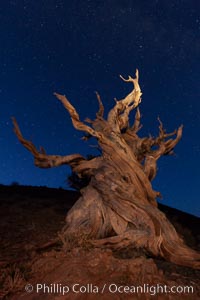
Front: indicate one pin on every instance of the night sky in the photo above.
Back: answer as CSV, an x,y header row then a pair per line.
x,y
79,47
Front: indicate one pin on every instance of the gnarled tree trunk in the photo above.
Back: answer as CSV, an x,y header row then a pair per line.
x,y
118,208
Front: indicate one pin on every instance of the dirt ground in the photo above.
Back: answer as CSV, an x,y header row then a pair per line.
x,y
32,268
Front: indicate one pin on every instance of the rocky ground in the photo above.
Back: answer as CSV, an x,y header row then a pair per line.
x,y
31,218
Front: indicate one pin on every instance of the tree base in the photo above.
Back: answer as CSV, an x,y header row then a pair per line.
x,y
142,227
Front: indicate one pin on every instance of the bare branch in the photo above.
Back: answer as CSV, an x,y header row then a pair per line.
x,y
170,144
101,107
27,144
75,117
150,163
165,147
118,117
162,131
137,126
135,95
43,160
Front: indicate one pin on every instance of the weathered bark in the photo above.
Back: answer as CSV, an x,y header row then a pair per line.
x,y
118,208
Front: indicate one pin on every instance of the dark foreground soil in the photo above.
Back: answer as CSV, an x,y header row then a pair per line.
x,y
34,268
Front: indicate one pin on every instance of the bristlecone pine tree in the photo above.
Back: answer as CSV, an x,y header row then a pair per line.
x,y
118,207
